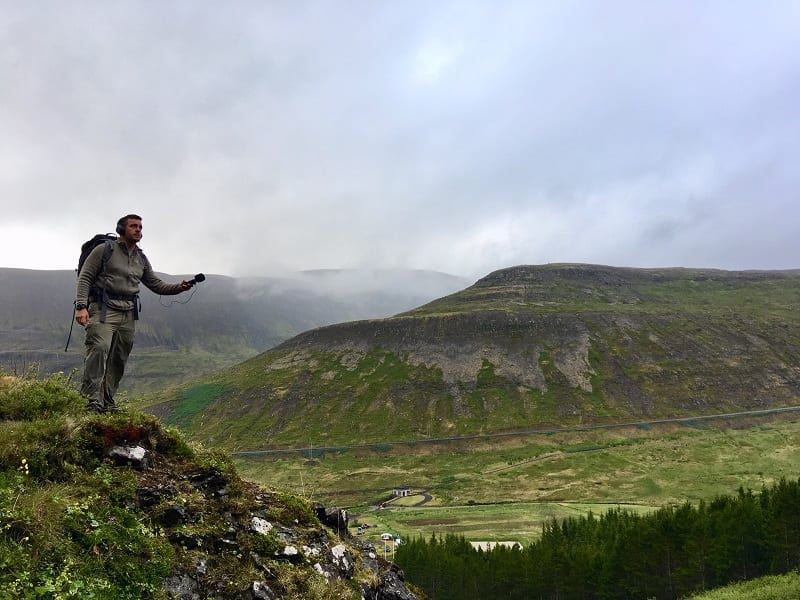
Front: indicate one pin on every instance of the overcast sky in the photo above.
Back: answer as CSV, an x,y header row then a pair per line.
x,y
463,137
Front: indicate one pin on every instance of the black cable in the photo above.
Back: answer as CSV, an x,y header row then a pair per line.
x,y
171,302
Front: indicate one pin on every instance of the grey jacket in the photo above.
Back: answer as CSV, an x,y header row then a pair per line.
x,y
124,271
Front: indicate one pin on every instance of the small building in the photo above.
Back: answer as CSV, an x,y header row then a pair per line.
x,y
487,546
401,491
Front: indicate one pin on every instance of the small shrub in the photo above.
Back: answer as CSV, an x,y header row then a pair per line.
x,y
292,509
268,544
30,398
299,586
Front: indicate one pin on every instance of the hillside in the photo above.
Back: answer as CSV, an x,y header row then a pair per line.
x,y
120,507
224,321
524,347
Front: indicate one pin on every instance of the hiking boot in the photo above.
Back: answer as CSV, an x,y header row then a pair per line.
x,y
94,408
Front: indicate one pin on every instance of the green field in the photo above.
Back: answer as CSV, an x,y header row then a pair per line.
x,y
518,522
776,587
503,489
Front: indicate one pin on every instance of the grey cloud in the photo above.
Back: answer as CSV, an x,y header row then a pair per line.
x,y
455,136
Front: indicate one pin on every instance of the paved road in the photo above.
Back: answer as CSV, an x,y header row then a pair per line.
x,y
523,432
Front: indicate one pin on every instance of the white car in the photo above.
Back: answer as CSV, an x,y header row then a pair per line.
x,y
387,536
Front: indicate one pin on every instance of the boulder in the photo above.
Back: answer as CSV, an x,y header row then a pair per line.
x,y
131,456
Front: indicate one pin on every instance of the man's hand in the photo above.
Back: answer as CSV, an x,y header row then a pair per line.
x,y
185,285
82,317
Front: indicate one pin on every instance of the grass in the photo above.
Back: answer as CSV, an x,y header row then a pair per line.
x,y
74,523
519,522
687,289
776,587
65,527
643,467
192,401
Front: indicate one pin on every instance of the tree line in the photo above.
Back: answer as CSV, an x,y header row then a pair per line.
x,y
675,551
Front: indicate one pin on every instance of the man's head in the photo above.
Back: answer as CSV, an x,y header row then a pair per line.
x,y
129,228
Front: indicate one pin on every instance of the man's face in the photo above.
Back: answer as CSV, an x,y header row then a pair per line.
x,y
133,231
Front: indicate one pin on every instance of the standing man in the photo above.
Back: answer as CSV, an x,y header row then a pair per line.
x,y
107,305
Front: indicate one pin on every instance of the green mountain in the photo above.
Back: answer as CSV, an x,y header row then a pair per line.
x,y
524,347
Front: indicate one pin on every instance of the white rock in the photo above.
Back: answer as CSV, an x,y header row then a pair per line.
x,y
260,525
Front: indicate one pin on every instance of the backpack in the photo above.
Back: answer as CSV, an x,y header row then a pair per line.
x,y
86,248
101,238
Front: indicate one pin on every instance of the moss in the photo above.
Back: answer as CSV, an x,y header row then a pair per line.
x,y
288,509
267,544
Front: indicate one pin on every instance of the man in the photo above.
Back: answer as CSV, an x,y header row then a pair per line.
x,y
107,305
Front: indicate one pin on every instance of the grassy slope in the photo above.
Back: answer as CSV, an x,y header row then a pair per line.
x,y
779,587
74,525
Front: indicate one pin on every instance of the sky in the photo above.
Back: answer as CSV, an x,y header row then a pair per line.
x,y
262,137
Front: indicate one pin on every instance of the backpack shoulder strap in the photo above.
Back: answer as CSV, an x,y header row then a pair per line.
x,y
145,260
101,297
107,253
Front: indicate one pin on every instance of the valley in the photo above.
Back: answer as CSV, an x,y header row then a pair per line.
x,y
506,488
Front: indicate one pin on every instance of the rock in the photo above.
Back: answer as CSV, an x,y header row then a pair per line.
x,y
335,518
147,497
201,565
131,456
182,586
270,574
290,553
341,557
188,541
172,516
393,587
223,544
287,534
227,526
259,525
210,482
261,591
321,570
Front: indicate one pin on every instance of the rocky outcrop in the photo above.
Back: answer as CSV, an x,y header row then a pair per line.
x,y
645,341
222,528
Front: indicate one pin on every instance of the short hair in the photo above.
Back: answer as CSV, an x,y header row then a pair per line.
x,y
123,222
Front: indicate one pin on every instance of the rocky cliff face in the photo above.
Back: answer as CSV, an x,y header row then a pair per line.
x,y
237,540
643,339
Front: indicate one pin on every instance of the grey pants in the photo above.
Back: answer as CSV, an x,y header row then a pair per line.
x,y
108,346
